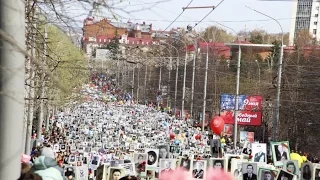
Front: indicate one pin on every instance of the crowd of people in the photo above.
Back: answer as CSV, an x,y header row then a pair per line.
x,y
109,137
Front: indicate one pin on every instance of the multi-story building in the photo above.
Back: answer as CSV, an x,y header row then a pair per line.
x,y
305,17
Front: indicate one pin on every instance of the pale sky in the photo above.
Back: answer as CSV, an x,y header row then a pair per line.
x,y
232,13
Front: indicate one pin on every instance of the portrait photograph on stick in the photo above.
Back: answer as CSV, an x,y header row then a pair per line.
x,y
115,173
291,166
267,174
259,152
218,163
185,163
249,171
199,169
280,152
285,175
163,151
152,157
167,165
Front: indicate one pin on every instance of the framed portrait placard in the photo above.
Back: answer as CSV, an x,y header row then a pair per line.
x,y
163,151
229,158
291,166
82,172
140,160
236,167
280,152
266,173
185,163
316,172
306,172
150,174
259,152
218,163
199,168
285,175
152,157
167,165
129,167
249,170
115,173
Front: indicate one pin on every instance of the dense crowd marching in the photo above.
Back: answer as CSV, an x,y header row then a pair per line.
x,y
109,137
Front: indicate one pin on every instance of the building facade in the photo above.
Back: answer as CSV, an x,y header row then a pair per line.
x,y
305,17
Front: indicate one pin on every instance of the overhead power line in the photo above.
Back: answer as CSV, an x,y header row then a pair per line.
x,y
177,16
209,13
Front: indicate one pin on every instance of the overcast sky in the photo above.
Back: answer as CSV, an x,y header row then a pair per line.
x,y
232,13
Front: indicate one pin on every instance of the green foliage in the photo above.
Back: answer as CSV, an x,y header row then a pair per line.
x,y
215,34
68,64
274,54
256,39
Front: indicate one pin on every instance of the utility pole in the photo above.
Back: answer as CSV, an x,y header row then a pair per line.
x,y
145,83
132,88
236,108
176,86
43,86
32,84
193,74
169,86
12,64
189,28
184,83
279,78
138,88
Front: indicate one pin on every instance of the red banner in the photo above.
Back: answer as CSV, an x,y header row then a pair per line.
x,y
253,103
248,118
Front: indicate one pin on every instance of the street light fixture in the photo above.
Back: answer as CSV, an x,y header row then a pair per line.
x,y
184,76
176,81
236,108
205,85
277,101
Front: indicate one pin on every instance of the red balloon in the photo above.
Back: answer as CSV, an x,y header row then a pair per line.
x,y
172,136
217,125
198,136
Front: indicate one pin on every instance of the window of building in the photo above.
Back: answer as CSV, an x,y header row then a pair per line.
x,y
314,31
315,23
317,8
316,15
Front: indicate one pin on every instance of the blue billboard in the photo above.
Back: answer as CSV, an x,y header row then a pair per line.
x,y
228,102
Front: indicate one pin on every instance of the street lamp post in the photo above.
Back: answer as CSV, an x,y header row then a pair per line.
x,y
205,89
205,84
184,77
184,83
170,69
236,108
277,101
193,74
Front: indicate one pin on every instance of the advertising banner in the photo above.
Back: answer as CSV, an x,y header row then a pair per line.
x,y
248,118
250,109
246,103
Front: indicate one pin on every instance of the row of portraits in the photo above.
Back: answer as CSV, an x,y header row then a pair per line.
x,y
246,171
